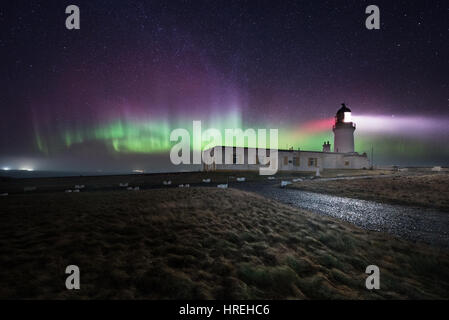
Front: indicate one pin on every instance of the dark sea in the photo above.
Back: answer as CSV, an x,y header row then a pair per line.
x,y
50,174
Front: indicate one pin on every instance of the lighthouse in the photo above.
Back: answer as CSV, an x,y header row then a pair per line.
x,y
289,160
343,131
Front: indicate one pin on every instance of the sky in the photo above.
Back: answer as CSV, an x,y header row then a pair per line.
x,y
106,97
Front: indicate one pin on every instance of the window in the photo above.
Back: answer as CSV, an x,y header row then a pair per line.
x,y
296,161
285,161
313,162
346,163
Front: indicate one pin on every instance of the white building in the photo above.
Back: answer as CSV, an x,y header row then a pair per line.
x,y
343,157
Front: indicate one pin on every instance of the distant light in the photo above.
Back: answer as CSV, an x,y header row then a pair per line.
x,y
6,168
348,117
27,169
138,171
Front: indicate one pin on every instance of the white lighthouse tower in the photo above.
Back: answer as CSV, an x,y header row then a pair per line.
x,y
343,131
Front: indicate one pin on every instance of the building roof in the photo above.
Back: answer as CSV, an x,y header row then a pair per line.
x,y
289,150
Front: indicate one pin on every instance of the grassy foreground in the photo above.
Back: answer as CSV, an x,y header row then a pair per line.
x,y
203,243
427,190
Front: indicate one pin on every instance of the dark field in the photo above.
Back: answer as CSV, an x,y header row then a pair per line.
x,y
200,243
425,189
111,182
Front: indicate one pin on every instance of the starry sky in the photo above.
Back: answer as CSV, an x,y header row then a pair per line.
x,y
107,96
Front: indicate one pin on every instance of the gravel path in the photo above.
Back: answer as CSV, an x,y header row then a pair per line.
x,y
411,223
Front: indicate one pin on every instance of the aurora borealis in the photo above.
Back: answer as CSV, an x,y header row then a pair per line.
x,y
108,95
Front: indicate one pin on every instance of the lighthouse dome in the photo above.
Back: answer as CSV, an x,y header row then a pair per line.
x,y
343,109
343,115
